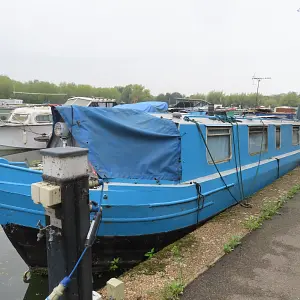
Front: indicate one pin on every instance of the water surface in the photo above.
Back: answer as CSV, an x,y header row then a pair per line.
x,y
12,269
12,266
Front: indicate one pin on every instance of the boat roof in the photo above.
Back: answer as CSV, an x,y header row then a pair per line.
x,y
146,106
91,99
32,109
213,121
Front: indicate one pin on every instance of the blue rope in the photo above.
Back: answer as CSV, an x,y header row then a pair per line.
x,y
78,262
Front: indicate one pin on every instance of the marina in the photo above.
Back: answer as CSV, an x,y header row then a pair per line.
x,y
240,157
149,150
159,187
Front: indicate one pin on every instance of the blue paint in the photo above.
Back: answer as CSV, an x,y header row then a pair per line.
x,y
139,207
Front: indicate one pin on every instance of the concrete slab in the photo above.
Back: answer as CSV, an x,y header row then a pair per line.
x,y
265,267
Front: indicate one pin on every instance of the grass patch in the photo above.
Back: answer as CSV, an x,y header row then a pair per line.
x,y
234,241
158,261
183,243
268,210
252,223
294,190
173,290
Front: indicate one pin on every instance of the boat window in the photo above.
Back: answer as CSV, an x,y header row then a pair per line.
x,y
20,118
219,144
43,118
95,104
258,139
102,104
278,137
295,135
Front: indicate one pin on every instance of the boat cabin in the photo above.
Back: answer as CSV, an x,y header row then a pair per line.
x,y
37,115
91,102
221,144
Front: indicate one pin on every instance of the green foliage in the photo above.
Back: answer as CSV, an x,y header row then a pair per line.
x,y
7,86
150,253
215,97
252,223
198,96
176,251
131,93
234,241
114,264
268,210
294,190
177,286
173,290
162,97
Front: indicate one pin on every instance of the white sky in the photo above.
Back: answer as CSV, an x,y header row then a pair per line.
x,y
167,45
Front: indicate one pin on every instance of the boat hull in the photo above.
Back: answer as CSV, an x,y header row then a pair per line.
x,y
140,215
16,137
5,150
129,249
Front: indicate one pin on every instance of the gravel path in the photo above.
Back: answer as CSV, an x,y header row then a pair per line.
x,y
266,265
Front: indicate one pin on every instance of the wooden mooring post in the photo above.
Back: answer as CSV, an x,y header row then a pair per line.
x,y
65,195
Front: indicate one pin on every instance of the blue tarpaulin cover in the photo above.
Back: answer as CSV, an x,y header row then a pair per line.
x,y
126,143
149,106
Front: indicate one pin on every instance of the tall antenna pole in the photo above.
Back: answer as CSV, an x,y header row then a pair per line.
x,y
259,79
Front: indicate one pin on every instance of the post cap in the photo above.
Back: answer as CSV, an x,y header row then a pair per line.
x,y
62,152
65,163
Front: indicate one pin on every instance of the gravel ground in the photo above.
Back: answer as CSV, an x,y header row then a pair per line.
x,y
200,249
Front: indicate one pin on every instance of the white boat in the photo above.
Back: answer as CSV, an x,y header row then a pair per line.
x,y
27,128
30,128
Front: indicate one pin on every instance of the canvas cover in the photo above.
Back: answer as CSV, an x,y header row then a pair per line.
x,y
126,143
149,106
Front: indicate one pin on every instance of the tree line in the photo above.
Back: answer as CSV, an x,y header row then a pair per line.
x,y
130,94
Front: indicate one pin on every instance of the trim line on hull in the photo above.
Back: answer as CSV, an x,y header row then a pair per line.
x,y
150,219
27,210
122,220
19,168
192,198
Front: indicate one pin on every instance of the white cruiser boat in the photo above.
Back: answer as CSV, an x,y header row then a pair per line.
x,y
30,128
27,128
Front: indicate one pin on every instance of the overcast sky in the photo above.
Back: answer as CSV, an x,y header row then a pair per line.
x,y
167,45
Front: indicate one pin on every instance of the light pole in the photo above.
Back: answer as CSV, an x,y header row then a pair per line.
x,y
259,79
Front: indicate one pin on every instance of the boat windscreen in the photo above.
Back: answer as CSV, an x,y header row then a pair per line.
x,y
19,118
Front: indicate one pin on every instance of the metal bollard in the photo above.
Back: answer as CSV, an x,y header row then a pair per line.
x,y
65,195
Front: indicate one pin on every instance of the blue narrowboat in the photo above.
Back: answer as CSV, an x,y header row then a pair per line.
x,y
163,175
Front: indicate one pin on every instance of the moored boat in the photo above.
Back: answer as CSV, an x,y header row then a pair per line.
x,y
23,126
163,175
30,127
